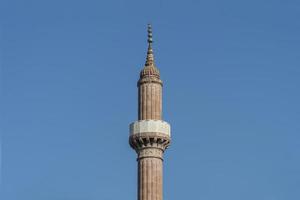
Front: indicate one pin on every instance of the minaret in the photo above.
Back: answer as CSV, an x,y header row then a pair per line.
x,y
150,135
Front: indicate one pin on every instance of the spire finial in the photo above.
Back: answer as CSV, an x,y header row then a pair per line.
x,y
150,34
150,57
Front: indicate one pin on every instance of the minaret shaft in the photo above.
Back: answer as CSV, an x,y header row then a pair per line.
x,y
150,135
150,101
150,179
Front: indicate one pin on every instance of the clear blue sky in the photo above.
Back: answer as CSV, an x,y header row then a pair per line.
x,y
232,75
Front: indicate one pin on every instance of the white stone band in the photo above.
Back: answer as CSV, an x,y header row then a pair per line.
x,y
150,126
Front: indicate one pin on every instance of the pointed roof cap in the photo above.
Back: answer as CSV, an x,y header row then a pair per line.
x,y
150,69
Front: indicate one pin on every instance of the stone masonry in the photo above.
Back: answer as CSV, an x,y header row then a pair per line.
x,y
150,135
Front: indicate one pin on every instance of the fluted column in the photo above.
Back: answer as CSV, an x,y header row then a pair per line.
x,y
150,173
150,101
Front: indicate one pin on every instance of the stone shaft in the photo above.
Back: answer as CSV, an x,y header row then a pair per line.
x,y
150,179
150,161
150,101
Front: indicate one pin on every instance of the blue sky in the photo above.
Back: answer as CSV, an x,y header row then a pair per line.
x,y
231,93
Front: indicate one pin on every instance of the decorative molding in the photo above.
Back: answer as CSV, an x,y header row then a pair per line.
x,y
150,153
150,79
149,140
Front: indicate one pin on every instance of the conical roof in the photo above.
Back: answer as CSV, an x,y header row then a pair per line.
x,y
149,69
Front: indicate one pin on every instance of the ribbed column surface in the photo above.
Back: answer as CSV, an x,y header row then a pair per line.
x,y
150,101
150,179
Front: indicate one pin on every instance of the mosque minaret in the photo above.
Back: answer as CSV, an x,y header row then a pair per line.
x,y
150,135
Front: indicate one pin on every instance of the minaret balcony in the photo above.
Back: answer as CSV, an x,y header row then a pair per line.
x,y
143,127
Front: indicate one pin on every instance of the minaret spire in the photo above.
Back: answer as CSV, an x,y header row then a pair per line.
x,y
150,56
150,69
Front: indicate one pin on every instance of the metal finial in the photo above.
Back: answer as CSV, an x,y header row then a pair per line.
x,y
150,56
150,40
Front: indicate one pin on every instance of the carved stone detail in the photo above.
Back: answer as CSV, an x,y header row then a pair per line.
x,y
149,140
150,153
